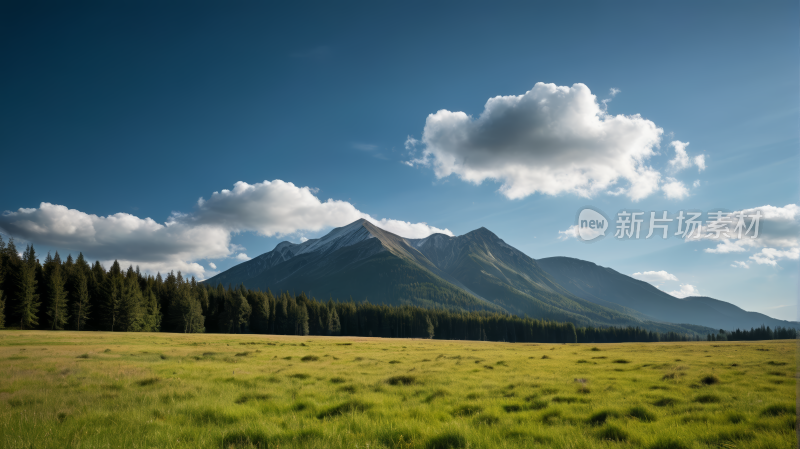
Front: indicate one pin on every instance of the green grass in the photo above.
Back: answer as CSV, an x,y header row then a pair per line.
x,y
91,389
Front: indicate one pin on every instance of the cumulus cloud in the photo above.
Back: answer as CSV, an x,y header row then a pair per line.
x,y
682,160
700,162
613,92
242,256
132,240
280,208
655,277
740,264
684,291
732,246
271,208
407,229
771,256
212,265
552,140
778,234
571,232
674,189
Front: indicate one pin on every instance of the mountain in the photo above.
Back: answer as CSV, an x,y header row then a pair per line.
x,y
475,271
605,286
359,261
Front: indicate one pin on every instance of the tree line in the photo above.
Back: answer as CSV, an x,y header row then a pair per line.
x,y
74,295
754,334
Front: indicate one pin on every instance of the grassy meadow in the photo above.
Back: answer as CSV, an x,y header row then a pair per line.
x,y
93,389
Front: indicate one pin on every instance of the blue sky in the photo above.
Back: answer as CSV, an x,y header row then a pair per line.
x,y
142,108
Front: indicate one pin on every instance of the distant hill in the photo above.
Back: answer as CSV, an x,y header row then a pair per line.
x,y
605,286
475,271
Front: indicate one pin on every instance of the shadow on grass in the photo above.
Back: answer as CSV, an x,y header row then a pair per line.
x,y
344,408
447,440
401,380
255,438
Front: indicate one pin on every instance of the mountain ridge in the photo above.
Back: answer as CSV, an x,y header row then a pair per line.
x,y
473,271
605,285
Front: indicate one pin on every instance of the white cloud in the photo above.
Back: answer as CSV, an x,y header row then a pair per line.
x,y
696,183
303,239
278,208
771,256
674,189
732,246
740,264
778,235
655,277
778,227
212,265
411,143
684,291
242,257
700,162
682,160
614,91
586,234
274,208
406,229
133,240
571,232
553,139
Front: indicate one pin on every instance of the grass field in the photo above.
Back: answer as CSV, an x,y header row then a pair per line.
x,y
91,389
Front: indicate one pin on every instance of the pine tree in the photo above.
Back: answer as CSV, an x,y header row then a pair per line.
x,y
302,320
187,314
10,283
28,304
334,326
112,297
259,318
428,327
152,314
282,315
80,303
242,312
130,311
57,310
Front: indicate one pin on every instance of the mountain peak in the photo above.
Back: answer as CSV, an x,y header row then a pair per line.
x,y
484,232
347,235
